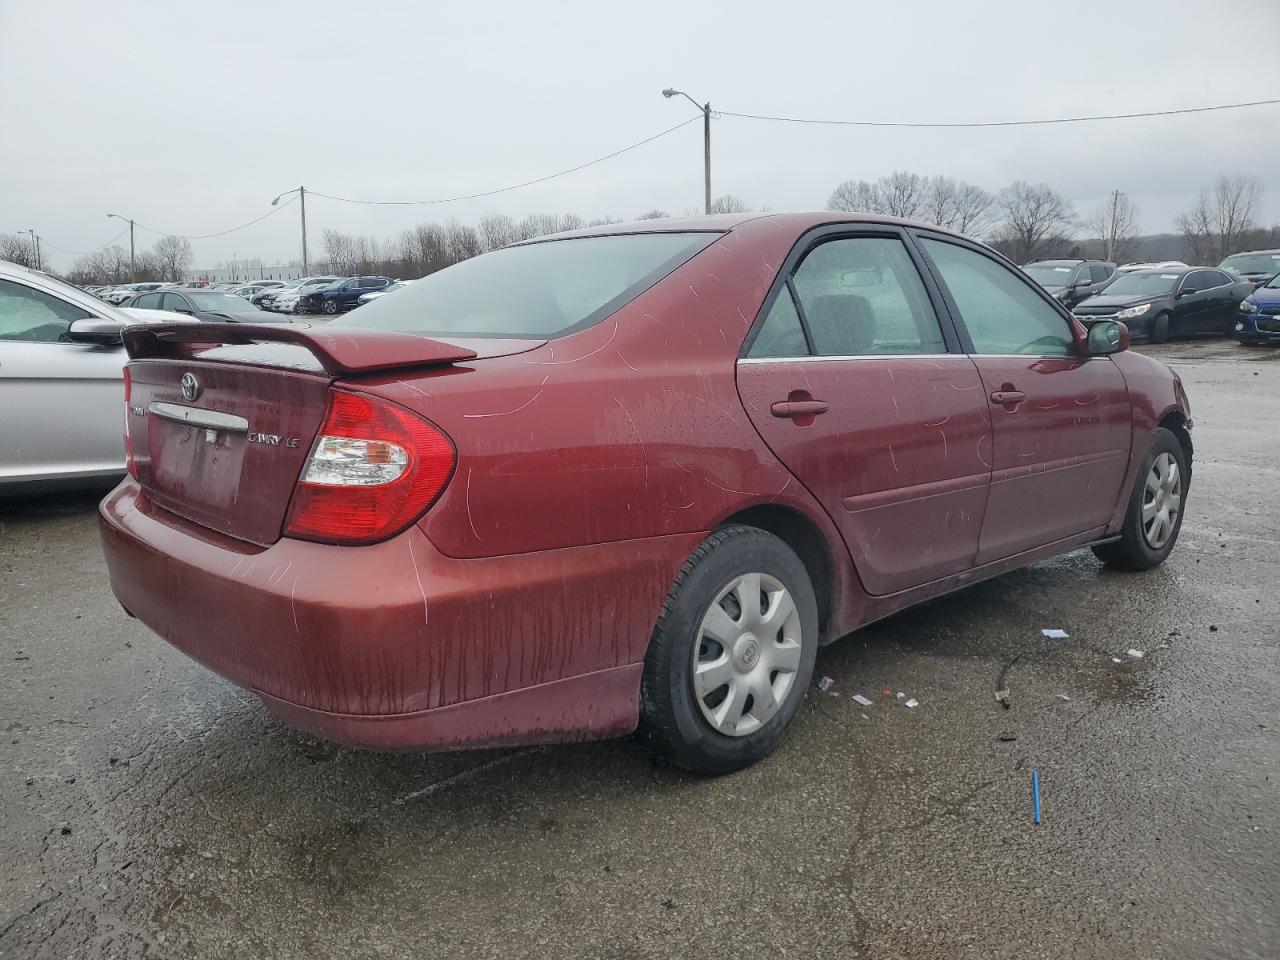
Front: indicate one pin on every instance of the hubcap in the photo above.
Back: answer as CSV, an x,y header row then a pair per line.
x,y
1161,501
747,654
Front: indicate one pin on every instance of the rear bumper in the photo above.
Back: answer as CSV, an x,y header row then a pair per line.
x,y
395,645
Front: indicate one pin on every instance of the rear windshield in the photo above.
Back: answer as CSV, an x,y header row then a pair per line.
x,y
539,290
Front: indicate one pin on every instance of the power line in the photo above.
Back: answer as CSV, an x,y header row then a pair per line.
x,y
998,123
81,253
514,186
221,233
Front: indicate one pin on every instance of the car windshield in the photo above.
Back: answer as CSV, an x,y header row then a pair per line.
x,y
1274,283
1141,283
220,302
1048,274
544,289
1253,263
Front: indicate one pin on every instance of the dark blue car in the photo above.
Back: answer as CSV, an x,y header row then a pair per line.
x,y
340,295
1259,320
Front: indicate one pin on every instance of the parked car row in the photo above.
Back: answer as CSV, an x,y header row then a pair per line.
x,y
1168,298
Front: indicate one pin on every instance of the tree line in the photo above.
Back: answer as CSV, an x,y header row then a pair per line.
x,y
1032,221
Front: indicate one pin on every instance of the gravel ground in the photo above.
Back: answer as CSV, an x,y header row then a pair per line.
x,y
151,809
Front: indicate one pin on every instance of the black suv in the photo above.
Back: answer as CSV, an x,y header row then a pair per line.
x,y
1070,281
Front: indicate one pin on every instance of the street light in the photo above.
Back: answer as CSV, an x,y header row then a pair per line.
x,y
302,195
706,137
133,273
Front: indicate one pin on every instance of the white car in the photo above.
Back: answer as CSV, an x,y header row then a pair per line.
x,y
287,300
1162,265
375,294
118,295
61,382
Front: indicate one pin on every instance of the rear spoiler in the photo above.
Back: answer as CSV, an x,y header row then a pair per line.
x,y
339,351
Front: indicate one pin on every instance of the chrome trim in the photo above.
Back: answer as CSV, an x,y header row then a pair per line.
x,y
872,356
197,417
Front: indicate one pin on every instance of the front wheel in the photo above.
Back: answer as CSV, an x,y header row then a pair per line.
x,y
330,307
1154,515
1160,329
731,654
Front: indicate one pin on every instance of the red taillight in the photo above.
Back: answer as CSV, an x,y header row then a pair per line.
x,y
374,468
130,463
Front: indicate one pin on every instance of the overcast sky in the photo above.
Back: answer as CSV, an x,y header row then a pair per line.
x,y
190,118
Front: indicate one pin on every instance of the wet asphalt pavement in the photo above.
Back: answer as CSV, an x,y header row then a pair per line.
x,y
151,809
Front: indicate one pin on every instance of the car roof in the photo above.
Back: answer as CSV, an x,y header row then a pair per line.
x,y
1247,253
727,222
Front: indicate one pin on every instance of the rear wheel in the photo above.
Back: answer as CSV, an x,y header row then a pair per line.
x,y
1154,515
1160,328
732,652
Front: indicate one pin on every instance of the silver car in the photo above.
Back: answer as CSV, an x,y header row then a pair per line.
x,y
61,382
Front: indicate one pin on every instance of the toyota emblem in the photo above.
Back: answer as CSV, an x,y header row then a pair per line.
x,y
190,386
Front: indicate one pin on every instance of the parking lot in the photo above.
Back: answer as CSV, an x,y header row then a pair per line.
x,y
152,809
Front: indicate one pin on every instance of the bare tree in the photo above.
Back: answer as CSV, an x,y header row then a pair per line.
x,y
18,249
461,241
1215,226
173,256
729,203
1035,220
902,194
956,205
854,196
654,214
496,230
1116,223
339,251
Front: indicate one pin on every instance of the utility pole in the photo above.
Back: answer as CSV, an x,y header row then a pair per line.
x,y
302,196
706,141
35,248
133,270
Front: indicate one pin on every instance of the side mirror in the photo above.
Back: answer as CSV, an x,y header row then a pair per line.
x,y
1107,336
1186,292
92,330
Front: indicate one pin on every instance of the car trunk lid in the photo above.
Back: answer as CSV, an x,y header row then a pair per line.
x,y
222,417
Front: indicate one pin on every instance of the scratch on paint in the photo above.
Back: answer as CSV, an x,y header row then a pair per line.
x,y
294,604
280,575
624,360
786,483
467,499
644,452
742,315
972,386
1085,403
889,370
722,336
723,487
943,434
896,411
978,451
676,506
405,383
507,413
937,423
713,276
694,292
556,363
893,458
417,576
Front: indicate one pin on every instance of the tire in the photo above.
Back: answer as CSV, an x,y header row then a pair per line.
x,y
678,722
1137,549
1159,328
330,307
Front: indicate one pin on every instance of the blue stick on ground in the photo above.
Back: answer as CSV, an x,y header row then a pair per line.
x,y
1035,795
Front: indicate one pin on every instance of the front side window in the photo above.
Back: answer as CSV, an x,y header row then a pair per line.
x,y
544,289
863,295
148,301
1000,310
1098,273
33,315
176,303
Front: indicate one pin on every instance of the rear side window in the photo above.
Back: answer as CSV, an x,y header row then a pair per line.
x,y
1000,310
863,295
540,290
781,334
148,301
1099,272
33,315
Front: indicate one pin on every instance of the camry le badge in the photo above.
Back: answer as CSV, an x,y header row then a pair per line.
x,y
190,386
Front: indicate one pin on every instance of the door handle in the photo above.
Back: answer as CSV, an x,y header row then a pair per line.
x,y
798,408
1008,398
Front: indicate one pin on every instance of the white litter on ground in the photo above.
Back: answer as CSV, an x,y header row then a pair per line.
x,y
825,683
1063,696
1054,633
912,703
1136,654
1116,660
861,700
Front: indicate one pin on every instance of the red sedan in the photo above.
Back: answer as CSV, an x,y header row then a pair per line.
x,y
626,476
